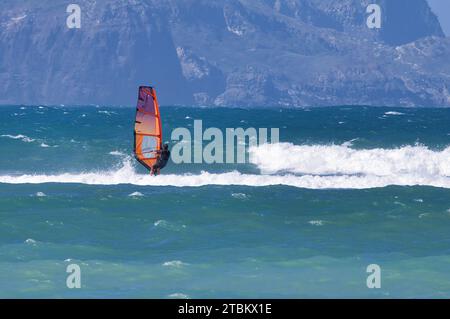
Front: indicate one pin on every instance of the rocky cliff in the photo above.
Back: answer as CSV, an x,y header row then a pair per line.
x,y
224,53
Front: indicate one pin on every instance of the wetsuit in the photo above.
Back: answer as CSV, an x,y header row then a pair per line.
x,y
162,160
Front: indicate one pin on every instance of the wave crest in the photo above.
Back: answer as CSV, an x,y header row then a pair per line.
x,y
343,160
314,167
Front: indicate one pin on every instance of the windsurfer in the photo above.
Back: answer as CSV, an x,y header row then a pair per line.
x,y
163,158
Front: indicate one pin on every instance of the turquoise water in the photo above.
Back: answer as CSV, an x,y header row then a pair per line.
x,y
347,187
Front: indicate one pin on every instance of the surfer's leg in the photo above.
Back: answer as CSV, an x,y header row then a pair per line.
x,y
155,169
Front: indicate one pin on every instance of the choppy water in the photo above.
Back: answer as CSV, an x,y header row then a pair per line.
x,y
345,188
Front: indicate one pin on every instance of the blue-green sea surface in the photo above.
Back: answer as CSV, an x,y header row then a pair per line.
x,y
345,188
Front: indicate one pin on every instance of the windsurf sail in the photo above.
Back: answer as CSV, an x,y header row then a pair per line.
x,y
147,127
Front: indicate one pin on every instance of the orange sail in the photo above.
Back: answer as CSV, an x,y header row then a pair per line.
x,y
147,128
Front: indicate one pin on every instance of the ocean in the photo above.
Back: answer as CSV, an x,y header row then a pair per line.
x,y
345,188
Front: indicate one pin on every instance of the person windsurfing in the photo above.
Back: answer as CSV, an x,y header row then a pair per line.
x,y
163,158
148,146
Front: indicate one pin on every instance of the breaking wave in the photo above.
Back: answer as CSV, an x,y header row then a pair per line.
x,y
418,161
314,167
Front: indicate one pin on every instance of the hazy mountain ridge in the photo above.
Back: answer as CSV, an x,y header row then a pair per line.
x,y
224,53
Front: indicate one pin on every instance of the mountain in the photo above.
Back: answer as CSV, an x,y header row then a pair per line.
x,y
224,53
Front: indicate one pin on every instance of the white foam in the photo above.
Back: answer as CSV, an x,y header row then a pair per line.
x,y
30,241
323,167
239,195
19,18
109,113
412,161
116,153
393,113
316,222
164,224
231,178
40,194
174,264
160,222
350,143
24,138
178,295
136,194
